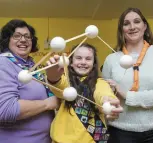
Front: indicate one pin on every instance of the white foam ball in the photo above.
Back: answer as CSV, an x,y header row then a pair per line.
x,y
107,108
70,93
126,61
24,76
61,62
57,44
92,31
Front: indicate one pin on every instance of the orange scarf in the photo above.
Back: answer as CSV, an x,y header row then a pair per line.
x,y
137,64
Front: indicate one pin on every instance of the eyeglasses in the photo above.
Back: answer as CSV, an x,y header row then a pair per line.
x,y
18,36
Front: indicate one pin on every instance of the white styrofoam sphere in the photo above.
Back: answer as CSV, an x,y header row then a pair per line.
x,y
57,44
126,61
24,76
70,93
92,30
107,108
61,62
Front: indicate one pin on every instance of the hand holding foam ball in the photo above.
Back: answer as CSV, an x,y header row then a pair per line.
x,y
107,108
61,62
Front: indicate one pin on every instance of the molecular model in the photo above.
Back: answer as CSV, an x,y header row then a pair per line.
x,y
58,44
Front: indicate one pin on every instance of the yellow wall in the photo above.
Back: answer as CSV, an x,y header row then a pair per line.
x,y
68,28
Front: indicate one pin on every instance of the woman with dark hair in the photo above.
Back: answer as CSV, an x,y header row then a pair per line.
x,y
9,30
79,121
135,86
26,110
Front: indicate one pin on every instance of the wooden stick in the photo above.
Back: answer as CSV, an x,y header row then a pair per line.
x,y
53,87
106,44
77,47
66,70
76,37
49,66
49,85
39,62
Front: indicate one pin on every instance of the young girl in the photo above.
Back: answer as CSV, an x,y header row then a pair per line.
x,y
79,121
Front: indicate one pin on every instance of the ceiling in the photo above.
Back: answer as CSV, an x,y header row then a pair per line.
x,y
93,9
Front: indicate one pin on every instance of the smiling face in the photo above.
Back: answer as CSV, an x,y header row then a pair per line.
x,y
19,44
133,28
83,60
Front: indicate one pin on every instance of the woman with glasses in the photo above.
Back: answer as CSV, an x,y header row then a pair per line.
x,y
26,110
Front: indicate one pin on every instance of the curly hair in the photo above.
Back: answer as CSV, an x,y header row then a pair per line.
x,y
8,30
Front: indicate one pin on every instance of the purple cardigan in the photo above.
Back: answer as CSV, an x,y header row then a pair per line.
x,y
32,130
